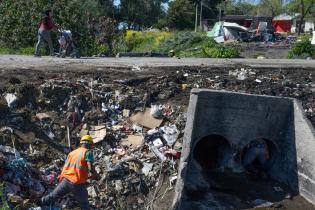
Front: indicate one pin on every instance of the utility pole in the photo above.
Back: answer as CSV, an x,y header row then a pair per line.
x,y
201,28
196,20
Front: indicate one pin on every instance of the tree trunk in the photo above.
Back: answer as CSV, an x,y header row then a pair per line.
x,y
196,20
201,27
301,23
302,16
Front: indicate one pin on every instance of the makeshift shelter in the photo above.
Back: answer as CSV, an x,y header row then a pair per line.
x,y
224,31
283,23
260,24
242,20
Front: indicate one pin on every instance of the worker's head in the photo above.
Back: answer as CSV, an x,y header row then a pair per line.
x,y
86,141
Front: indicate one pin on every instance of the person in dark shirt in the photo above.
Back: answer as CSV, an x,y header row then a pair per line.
x,y
256,158
45,26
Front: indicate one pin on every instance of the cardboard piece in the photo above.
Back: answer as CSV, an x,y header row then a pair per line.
x,y
42,116
98,132
132,141
146,119
27,138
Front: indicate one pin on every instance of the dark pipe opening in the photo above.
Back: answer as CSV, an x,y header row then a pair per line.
x,y
211,151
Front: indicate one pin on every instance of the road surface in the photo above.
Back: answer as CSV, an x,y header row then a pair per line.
x,y
29,62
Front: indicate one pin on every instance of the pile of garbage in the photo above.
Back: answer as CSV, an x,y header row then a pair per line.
x,y
135,141
137,125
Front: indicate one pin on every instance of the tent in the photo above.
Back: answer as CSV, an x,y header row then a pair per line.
x,y
224,31
281,26
283,23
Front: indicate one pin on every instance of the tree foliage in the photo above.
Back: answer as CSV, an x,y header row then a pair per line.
x,y
230,7
108,31
181,14
141,13
304,7
19,20
270,8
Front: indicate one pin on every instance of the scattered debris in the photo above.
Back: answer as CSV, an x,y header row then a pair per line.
x,y
132,141
97,132
259,203
137,125
146,119
11,99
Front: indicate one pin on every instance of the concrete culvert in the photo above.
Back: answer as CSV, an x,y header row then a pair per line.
x,y
273,152
211,151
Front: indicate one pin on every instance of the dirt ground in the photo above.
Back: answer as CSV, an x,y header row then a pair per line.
x,y
172,85
266,50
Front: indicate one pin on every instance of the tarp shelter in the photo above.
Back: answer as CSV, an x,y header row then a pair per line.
x,y
283,23
309,25
242,20
224,31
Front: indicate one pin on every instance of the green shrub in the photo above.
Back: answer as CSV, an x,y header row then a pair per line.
x,y
21,51
191,44
214,50
302,48
136,41
180,41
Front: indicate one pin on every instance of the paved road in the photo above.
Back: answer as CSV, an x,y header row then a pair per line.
x,y
29,62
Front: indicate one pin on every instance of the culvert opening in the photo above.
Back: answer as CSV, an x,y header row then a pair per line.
x,y
211,151
272,154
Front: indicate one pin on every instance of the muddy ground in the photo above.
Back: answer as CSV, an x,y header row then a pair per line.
x,y
172,85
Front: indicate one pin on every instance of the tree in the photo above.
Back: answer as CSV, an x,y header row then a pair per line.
x,y
304,7
181,14
209,5
108,31
141,13
231,7
270,8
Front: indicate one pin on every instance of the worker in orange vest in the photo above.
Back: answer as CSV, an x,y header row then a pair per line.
x,y
77,170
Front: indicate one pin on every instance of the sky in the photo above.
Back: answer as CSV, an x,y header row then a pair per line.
x,y
117,2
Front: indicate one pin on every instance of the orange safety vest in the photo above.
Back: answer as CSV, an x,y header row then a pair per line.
x,y
76,168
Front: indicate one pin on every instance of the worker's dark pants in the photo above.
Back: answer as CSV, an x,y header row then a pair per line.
x,y
64,187
255,153
44,35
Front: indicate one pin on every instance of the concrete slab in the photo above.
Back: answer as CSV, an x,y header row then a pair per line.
x,y
236,119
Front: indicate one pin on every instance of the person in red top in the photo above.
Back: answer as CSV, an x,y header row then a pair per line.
x,y
77,170
45,26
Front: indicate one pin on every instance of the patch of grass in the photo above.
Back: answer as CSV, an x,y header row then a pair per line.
x,y
20,51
